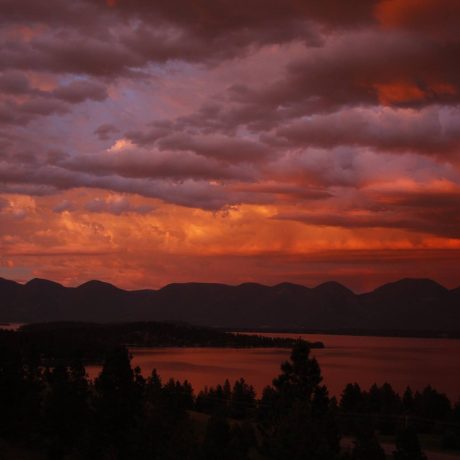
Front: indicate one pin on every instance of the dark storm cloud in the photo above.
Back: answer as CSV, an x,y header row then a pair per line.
x,y
154,164
367,68
43,106
229,149
367,76
75,54
172,186
206,16
210,16
427,131
80,90
446,200
424,212
106,131
133,35
149,136
91,37
23,113
14,82
287,191
52,12
22,102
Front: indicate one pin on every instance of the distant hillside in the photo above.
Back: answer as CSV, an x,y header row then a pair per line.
x,y
63,341
405,305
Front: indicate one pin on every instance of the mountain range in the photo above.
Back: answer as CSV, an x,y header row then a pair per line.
x,y
404,305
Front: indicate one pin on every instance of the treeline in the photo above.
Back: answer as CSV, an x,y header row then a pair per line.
x,y
429,410
380,406
92,341
123,415
368,332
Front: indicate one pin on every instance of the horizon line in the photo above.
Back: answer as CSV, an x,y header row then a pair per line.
x,y
94,280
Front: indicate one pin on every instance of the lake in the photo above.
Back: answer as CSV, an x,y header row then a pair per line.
x,y
416,362
10,326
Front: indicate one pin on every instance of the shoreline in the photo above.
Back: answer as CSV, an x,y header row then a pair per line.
x,y
453,335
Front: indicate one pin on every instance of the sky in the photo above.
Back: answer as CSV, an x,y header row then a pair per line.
x,y
144,143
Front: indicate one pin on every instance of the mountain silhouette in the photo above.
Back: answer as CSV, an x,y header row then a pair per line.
x,y
404,305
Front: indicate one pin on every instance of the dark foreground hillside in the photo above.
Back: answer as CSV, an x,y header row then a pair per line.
x,y
405,305
57,413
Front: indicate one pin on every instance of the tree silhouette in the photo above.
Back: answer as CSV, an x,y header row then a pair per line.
x,y
408,402
352,399
367,446
299,424
225,442
242,400
118,405
408,446
65,409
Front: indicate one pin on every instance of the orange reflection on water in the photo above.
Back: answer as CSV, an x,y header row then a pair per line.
x,y
365,360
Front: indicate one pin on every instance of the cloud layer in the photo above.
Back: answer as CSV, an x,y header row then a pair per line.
x,y
301,131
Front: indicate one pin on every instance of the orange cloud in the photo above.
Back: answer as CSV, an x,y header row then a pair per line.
x,y
397,93
444,89
173,243
438,17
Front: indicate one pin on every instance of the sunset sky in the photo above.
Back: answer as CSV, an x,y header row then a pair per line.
x,y
148,142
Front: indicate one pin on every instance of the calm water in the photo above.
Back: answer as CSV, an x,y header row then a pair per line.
x,y
366,360
10,326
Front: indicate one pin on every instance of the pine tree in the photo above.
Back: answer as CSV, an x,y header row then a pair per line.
x,y
367,446
408,446
299,424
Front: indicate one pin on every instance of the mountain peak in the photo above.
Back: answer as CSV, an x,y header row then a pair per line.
x,y
97,284
422,286
288,285
333,286
42,283
250,285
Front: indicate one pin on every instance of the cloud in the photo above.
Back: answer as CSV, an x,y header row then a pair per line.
x,y
286,191
112,41
263,129
3,204
63,206
43,106
14,82
121,145
347,72
229,149
188,191
80,90
431,130
105,131
436,17
116,204
24,103
22,113
425,212
152,163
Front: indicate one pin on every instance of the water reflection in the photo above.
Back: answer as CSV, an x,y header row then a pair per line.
x,y
365,360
